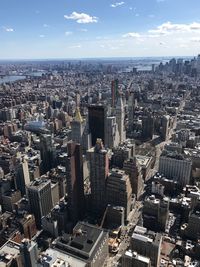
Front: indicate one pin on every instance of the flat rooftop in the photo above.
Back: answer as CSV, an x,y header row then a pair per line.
x,y
84,241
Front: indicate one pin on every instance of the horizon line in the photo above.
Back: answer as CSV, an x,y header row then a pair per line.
x,y
96,58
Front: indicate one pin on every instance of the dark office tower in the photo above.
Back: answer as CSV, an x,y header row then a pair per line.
x,y
96,117
57,104
75,185
131,110
99,168
133,169
46,152
22,177
147,127
120,114
29,253
172,64
40,198
151,85
114,91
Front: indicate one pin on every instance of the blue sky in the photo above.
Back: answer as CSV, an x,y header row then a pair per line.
x,y
98,28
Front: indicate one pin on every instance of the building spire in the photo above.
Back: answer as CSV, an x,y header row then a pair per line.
x,y
78,116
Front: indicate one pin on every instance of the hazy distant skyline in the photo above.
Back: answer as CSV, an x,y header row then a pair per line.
x,y
83,29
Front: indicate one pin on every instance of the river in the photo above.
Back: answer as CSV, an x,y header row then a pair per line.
x,y
11,78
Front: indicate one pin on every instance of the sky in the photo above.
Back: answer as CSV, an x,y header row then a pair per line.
x,y
44,29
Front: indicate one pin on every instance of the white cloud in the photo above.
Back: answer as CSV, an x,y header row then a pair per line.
x,y
169,27
42,36
76,46
131,35
68,33
8,29
117,4
132,8
81,18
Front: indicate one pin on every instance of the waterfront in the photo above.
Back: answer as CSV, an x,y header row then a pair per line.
x,y
14,78
11,78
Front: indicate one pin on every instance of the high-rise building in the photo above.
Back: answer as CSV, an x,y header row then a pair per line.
x,y
120,114
40,199
78,126
96,120
123,152
174,166
155,213
131,109
112,133
147,126
88,244
75,184
22,176
99,168
133,169
165,127
46,152
60,213
132,258
118,190
192,230
29,253
114,91
147,243
9,199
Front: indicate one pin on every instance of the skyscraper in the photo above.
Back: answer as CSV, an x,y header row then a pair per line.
x,y
29,253
75,185
131,109
99,168
120,114
174,166
114,91
96,118
22,177
77,126
40,199
46,152
133,169
111,133
119,192
147,126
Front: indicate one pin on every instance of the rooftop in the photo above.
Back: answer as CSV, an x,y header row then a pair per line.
x,y
83,242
